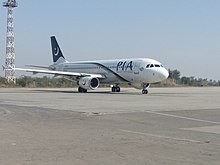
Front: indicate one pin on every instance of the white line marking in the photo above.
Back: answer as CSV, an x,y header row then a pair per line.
x,y
182,117
163,137
208,129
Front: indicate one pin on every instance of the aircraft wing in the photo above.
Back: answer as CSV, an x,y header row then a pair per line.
x,y
37,66
60,73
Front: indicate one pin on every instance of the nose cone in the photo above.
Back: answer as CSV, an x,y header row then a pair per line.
x,y
164,74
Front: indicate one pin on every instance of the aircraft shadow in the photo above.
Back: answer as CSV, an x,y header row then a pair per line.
x,y
89,92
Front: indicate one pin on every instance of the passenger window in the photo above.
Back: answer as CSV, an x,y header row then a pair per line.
x,y
152,65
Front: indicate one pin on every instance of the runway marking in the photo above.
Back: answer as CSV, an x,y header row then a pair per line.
x,y
163,137
209,129
182,117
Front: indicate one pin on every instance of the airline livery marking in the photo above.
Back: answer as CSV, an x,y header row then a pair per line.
x,y
57,50
124,66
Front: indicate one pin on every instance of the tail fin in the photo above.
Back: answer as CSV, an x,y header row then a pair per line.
x,y
56,51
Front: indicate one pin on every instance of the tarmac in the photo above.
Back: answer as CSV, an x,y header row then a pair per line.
x,y
170,126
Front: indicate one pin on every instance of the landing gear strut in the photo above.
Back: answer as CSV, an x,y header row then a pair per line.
x,y
82,90
116,88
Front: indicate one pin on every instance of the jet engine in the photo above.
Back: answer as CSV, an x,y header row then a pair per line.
x,y
88,82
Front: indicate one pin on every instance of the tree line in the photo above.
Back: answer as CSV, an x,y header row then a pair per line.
x,y
174,79
38,82
175,76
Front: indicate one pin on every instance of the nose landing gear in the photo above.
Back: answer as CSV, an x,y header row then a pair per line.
x,y
145,87
144,91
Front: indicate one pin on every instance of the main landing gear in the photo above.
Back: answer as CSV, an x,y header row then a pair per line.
x,y
82,90
116,88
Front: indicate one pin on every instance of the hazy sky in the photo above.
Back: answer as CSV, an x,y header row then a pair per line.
x,y
181,34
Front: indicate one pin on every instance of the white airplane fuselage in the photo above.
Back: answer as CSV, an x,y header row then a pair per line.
x,y
133,71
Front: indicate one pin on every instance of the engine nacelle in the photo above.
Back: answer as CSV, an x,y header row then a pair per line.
x,y
89,82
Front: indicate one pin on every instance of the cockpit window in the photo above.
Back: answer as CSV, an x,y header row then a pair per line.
x,y
153,65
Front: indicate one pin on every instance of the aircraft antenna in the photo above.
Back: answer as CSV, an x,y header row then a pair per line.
x,y
10,51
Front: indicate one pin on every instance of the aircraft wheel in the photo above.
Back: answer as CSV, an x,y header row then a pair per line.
x,y
144,91
82,90
113,89
118,89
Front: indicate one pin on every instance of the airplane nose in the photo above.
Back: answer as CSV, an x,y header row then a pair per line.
x,y
164,74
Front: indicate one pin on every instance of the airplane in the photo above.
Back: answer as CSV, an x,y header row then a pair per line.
x,y
137,72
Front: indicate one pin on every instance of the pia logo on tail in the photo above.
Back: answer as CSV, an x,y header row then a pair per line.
x,y
56,51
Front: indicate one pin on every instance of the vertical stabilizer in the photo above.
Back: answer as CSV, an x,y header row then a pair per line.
x,y
56,51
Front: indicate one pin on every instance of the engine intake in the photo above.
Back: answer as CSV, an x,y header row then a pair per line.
x,y
89,82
